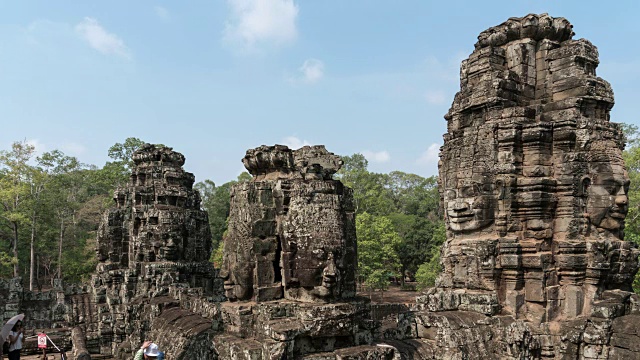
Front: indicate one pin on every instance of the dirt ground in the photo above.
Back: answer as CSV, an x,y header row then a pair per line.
x,y
392,295
39,357
56,356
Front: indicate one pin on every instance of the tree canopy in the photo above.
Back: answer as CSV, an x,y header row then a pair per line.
x,y
51,206
397,215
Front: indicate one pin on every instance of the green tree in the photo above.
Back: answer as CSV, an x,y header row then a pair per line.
x,y
411,202
417,235
217,255
14,195
379,280
117,171
429,271
416,216
632,161
216,201
370,190
377,247
122,152
64,194
414,194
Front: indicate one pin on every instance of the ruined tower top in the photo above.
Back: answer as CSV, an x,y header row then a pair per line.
x,y
278,161
533,26
151,154
157,217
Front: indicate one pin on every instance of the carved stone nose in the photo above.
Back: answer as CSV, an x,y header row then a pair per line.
x,y
622,200
460,206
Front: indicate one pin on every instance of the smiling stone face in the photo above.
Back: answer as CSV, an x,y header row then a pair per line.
x,y
171,250
606,188
470,206
318,242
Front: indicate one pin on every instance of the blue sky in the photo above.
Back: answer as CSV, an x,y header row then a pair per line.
x,y
214,78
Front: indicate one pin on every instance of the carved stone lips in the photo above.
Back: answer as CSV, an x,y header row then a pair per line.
x,y
329,280
618,215
456,218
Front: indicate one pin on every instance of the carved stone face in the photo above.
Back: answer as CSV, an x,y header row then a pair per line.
x,y
326,278
470,206
237,279
607,203
171,250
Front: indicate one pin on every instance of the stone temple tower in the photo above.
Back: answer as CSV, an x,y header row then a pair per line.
x,y
153,246
291,229
531,173
290,260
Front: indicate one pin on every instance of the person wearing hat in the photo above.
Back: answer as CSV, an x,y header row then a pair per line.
x,y
149,350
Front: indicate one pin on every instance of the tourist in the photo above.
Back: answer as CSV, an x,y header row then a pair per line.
x,y
15,341
149,350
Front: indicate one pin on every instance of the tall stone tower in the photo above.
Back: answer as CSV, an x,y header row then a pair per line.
x,y
153,246
290,260
532,179
291,229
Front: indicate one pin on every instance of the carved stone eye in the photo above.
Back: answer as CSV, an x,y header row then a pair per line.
x,y
612,187
470,191
450,195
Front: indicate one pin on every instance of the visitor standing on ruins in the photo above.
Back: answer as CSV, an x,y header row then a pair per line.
x,y
149,350
15,341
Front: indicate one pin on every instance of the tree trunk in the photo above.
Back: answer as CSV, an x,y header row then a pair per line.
x,y
402,276
32,250
74,221
38,273
15,248
60,248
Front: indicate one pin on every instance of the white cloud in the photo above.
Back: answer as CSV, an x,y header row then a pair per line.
x,y
430,156
258,21
73,149
100,39
377,157
435,97
162,13
312,70
294,143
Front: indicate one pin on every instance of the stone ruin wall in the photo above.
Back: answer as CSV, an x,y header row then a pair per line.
x,y
46,311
